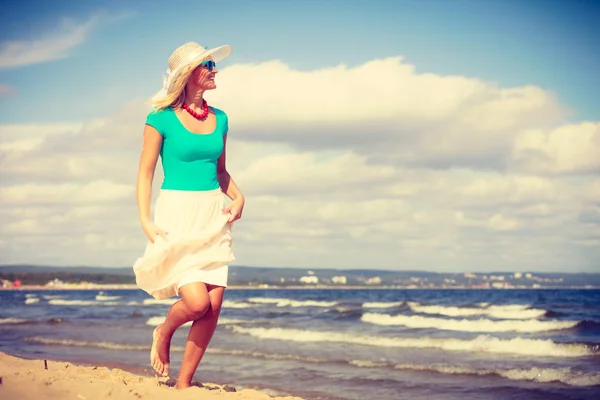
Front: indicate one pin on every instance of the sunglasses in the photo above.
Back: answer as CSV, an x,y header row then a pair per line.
x,y
209,64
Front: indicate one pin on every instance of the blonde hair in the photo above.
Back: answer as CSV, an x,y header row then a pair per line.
x,y
176,95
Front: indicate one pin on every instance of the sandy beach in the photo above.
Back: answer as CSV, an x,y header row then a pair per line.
x,y
29,380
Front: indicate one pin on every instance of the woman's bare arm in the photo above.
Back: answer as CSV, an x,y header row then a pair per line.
x,y
228,186
150,150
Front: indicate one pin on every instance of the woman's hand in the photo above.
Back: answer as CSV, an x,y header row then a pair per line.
x,y
235,209
152,231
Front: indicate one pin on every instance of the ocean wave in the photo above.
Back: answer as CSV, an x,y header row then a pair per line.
x,y
382,304
466,325
495,312
84,303
266,300
267,356
14,321
134,347
481,344
236,304
53,296
278,302
30,295
506,307
535,374
32,300
95,344
102,297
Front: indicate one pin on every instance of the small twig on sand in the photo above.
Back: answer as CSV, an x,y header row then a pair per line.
x,y
45,364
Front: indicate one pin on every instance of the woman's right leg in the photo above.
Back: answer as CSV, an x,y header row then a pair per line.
x,y
194,305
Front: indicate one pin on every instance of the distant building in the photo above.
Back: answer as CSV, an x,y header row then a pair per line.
x,y
340,280
528,276
309,279
470,275
518,275
373,281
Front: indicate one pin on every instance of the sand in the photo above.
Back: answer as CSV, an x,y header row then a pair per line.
x,y
29,380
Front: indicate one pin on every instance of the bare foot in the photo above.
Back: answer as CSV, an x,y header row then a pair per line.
x,y
159,353
180,386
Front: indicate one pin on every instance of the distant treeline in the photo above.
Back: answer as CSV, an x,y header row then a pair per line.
x,y
42,278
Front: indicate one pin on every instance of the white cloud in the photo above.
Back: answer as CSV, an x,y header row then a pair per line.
x,y
566,149
373,166
54,45
383,109
65,194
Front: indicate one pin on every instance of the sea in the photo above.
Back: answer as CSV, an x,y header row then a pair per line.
x,y
334,344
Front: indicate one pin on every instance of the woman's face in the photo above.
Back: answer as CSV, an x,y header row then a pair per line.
x,y
203,77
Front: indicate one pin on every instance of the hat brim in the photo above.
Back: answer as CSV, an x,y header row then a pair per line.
x,y
217,54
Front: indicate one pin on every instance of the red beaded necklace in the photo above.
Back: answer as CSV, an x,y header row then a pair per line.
x,y
194,113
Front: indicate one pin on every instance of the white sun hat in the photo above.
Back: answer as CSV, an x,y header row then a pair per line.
x,y
190,53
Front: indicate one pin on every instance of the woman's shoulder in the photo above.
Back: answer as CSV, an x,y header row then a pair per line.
x,y
156,113
218,112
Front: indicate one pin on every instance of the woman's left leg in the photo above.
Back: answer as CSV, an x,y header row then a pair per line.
x,y
199,337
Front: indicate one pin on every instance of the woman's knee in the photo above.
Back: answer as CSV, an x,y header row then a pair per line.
x,y
198,307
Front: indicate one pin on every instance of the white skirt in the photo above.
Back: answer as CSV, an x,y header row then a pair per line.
x,y
197,248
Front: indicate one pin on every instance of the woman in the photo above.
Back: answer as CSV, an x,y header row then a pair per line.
x,y
189,246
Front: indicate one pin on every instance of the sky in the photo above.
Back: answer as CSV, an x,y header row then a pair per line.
x,y
439,135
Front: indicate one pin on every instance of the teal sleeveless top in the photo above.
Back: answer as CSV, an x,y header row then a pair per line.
x,y
189,160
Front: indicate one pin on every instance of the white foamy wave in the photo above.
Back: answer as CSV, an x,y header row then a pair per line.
x,y
482,343
509,307
32,300
13,320
535,374
236,304
82,303
546,375
53,296
230,321
266,300
465,325
102,297
382,305
30,295
368,363
152,302
306,303
500,313
291,303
